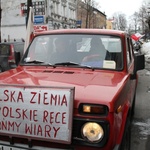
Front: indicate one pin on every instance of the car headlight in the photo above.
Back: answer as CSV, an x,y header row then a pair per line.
x,y
93,132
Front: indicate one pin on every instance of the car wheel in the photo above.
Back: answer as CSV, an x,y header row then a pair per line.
x,y
133,106
1,70
126,142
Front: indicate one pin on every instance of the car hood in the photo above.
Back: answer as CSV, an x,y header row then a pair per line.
x,y
91,86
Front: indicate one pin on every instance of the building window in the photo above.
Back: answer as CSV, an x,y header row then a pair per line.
x,y
23,9
39,8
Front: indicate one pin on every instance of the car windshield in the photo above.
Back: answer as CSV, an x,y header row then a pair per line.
x,y
75,50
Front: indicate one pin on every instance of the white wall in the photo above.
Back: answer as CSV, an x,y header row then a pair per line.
x,y
11,33
12,23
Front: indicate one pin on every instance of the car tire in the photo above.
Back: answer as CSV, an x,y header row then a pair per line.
x,y
133,106
126,141
1,70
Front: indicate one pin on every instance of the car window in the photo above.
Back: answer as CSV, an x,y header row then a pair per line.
x,y
98,51
19,47
4,49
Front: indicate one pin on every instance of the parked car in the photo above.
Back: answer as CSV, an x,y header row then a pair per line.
x,y
74,89
10,54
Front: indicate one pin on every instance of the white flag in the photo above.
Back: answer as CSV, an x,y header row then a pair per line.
x,y
30,29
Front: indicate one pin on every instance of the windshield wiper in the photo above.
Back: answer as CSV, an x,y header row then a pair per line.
x,y
39,62
67,64
60,64
73,64
35,61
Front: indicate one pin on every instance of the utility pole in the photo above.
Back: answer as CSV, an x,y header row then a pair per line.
x,y
29,4
0,21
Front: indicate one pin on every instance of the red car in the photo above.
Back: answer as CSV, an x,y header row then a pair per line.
x,y
10,53
73,89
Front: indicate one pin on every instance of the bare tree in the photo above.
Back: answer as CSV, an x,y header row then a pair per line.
x,y
87,10
121,21
144,17
0,20
141,18
134,22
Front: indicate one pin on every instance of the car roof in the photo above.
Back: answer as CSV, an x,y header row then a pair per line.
x,y
83,31
8,43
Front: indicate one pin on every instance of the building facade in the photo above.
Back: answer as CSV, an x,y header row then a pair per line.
x,y
90,17
111,24
48,15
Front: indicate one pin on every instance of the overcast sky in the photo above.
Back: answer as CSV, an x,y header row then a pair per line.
x,y
128,7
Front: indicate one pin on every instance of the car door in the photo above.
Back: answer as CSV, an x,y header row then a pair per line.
x,y
4,54
130,69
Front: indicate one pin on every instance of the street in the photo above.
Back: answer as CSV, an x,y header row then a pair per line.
x,y
140,130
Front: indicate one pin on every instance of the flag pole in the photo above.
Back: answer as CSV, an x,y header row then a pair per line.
x,y
29,29
29,4
0,21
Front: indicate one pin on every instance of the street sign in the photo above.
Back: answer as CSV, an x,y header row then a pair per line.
x,y
38,19
39,28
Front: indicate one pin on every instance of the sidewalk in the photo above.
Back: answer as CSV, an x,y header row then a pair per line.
x,y
140,130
